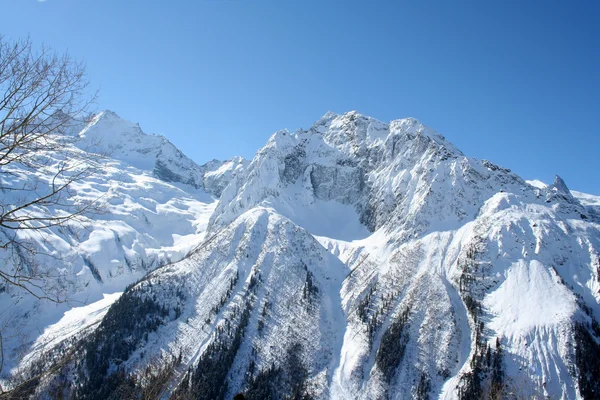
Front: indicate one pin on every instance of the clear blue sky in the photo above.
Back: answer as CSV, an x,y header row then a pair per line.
x,y
516,82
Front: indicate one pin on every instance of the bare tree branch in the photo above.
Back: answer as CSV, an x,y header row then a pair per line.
x,y
43,96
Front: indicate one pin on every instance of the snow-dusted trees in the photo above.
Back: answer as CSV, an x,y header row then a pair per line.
x,y
43,96
393,345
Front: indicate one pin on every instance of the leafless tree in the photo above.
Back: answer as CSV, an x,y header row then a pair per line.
x,y
43,97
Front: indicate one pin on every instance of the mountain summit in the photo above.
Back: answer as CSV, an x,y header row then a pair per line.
x,y
109,134
354,260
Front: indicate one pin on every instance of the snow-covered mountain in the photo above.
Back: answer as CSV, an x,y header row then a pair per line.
x,y
109,134
153,205
353,260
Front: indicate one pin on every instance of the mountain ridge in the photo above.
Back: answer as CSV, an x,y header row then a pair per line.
x,y
359,259
107,133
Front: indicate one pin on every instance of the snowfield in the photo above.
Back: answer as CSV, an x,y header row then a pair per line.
x,y
354,260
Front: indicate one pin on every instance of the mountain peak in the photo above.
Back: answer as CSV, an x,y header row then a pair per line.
x,y
109,123
108,133
353,114
371,129
108,114
412,126
329,115
560,185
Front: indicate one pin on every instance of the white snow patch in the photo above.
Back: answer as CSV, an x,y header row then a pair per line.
x,y
537,183
325,218
522,301
586,199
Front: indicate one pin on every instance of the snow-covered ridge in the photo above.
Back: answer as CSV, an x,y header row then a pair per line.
x,y
107,133
359,260
584,198
402,173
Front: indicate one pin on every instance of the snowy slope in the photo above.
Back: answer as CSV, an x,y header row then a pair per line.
x,y
586,199
143,221
266,266
362,259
